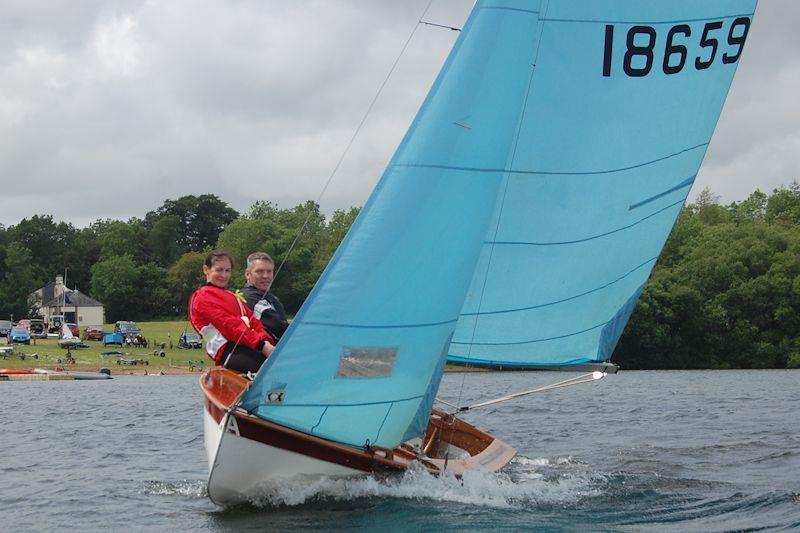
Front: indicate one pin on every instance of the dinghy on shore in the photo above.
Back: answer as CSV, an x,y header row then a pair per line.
x,y
103,374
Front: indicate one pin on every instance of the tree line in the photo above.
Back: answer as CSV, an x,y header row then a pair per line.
x,y
146,268
725,292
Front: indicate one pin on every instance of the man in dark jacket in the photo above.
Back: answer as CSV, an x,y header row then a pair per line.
x,y
265,305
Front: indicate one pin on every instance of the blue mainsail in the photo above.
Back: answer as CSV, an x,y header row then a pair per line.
x,y
520,215
623,102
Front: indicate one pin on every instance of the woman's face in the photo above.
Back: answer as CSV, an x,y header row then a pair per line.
x,y
219,273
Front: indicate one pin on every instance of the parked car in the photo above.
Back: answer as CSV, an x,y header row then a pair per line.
x,y
74,329
5,327
24,323
19,335
38,328
127,327
93,333
131,333
113,338
55,323
190,340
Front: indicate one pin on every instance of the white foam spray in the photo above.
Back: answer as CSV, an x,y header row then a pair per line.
x,y
522,486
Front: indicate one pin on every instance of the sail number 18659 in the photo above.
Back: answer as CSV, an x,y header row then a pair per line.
x,y
640,53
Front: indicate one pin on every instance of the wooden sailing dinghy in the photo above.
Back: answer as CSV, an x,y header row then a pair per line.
x,y
245,451
515,226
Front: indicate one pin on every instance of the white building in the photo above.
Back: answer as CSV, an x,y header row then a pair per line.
x,y
75,306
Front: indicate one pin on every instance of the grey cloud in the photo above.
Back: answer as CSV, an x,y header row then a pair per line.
x,y
120,105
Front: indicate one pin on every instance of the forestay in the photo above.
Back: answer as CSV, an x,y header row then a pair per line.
x,y
620,110
363,358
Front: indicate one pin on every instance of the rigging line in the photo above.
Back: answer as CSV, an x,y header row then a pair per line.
x,y
344,154
583,378
352,139
448,404
439,25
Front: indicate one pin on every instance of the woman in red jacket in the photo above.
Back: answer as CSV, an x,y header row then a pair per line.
x,y
234,339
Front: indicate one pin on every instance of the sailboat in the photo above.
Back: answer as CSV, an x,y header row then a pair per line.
x,y
515,226
67,340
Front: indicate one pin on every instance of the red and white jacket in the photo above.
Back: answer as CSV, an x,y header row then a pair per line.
x,y
222,317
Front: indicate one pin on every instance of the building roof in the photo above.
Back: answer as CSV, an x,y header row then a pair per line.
x,y
73,298
48,291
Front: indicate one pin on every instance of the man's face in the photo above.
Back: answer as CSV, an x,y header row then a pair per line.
x,y
260,274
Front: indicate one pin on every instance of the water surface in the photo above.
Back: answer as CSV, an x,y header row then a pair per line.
x,y
639,451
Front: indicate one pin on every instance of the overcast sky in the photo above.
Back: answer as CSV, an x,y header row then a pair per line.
x,y
107,108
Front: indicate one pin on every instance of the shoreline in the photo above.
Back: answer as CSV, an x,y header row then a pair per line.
x,y
119,370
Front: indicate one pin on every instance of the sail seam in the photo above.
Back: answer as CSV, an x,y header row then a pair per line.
x,y
326,405
386,416
534,340
634,22
321,416
549,172
461,359
505,8
380,326
651,215
601,287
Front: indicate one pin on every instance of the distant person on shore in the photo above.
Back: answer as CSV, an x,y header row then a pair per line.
x,y
233,339
265,305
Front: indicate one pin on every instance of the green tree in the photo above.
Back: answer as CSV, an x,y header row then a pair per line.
x,y
153,297
17,283
184,277
48,242
121,238
754,208
114,283
161,244
200,219
725,293
783,206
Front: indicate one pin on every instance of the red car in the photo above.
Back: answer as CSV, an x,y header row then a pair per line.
x,y
93,334
74,329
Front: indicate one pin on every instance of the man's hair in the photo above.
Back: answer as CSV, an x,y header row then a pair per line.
x,y
258,256
217,255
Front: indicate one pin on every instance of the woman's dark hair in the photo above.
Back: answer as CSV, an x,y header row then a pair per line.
x,y
217,255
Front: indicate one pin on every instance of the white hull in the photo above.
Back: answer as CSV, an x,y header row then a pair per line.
x,y
239,466
247,454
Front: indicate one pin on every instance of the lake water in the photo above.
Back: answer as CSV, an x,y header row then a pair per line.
x,y
639,451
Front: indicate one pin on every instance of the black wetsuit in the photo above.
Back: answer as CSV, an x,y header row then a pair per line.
x,y
269,308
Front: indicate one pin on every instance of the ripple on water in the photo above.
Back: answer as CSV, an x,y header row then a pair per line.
x,y
188,488
634,453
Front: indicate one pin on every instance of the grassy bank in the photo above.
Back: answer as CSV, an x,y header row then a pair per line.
x,y
162,336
